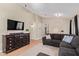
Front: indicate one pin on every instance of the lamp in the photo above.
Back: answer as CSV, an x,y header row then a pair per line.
x,y
33,25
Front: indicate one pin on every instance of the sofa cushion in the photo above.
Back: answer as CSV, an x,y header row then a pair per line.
x,y
52,36
57,36
65,44
75,42
66,52
56,41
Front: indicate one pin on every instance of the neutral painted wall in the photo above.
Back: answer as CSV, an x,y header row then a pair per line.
x,y
37,28
56,24
15,12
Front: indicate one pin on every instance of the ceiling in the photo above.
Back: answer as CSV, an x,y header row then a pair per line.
x,y
52,9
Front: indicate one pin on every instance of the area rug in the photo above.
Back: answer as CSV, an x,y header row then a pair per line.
x,y
42,54
45,49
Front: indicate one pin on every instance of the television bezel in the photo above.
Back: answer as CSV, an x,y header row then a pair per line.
x,y
16,26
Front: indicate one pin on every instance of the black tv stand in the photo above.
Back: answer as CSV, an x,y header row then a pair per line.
x,y
14,41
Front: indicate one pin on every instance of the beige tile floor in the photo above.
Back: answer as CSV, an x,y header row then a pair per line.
x,y
33,49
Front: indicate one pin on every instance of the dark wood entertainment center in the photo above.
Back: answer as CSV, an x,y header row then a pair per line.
x,y
14,41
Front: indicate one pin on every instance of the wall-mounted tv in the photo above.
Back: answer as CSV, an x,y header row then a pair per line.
x,y
15,25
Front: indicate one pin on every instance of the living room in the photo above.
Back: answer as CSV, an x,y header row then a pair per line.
x,y
35,21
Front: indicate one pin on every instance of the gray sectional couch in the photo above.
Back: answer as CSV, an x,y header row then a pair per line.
x,y
65,49
69,49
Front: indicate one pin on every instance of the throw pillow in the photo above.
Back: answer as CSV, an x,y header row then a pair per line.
x,y
48,37
68,39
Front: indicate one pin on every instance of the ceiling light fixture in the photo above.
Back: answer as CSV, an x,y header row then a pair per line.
x,y
33,25
58,14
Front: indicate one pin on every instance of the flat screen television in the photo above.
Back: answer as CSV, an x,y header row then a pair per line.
x,y
15,25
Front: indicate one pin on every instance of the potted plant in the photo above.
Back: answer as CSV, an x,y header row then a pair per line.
x,y
27,30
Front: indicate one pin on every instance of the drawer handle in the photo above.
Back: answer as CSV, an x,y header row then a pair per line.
x,y
10,48
10,44
21,37
10,38
10,41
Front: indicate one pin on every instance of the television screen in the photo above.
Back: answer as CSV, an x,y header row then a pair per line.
x,y
15,25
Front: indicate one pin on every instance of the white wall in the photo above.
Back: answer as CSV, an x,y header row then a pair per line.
x,y
15,12
56,24
37,28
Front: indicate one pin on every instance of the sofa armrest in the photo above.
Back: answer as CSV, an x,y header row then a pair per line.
x,y
43,37
63,51
65,44
43,40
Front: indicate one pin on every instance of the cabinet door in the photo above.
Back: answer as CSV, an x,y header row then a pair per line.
x,y
22,41
25,39
28,38
17,41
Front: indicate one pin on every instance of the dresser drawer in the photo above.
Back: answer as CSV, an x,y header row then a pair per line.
x,y
9,47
